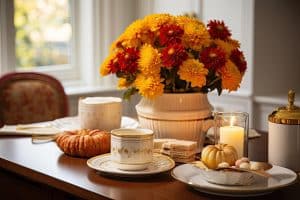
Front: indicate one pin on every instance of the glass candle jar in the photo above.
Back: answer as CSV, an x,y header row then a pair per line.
x,y
232,128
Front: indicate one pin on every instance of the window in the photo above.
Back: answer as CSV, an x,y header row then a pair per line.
x,y
39,35
67,39
43,33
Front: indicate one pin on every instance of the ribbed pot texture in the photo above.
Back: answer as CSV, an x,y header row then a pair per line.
x,y
184,116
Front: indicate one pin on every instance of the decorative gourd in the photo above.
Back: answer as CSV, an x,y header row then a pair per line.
x,y
212,155
84,143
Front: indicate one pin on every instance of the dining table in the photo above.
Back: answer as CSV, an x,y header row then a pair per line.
x,y
43,171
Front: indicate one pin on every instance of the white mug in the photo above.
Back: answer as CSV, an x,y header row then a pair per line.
x,y
102,113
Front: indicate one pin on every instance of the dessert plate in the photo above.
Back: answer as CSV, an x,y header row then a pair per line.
x,y
280,177
103,164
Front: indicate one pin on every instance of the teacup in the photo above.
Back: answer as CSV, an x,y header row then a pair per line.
x,y
102,113
132,149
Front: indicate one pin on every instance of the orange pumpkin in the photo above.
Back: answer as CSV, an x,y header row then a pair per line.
x,y
84,143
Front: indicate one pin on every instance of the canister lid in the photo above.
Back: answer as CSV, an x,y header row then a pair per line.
x,y
289,114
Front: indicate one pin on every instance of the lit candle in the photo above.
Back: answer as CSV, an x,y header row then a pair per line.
x,y
233,135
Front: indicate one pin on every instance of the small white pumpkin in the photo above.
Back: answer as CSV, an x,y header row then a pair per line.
x,y
213,155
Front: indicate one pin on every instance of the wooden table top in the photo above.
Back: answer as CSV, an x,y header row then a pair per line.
x,y
45,163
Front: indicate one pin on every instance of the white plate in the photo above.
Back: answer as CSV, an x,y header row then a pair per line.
x,y
280,177
56,126
103,164
71,123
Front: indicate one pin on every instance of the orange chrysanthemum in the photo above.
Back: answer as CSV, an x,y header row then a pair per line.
x,y
231,76
195,36
155,21
227,46
163,52
193,71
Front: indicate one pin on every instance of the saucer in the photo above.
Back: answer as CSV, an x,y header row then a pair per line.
x,y
280,177
103,164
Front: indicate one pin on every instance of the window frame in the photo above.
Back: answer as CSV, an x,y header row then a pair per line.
x,y
69,74
68,71
94,29
7,35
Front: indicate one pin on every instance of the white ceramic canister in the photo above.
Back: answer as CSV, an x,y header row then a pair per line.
x,y
284,135
132,149
102,113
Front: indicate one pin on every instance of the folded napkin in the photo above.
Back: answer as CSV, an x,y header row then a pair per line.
x,y
32,129
42,128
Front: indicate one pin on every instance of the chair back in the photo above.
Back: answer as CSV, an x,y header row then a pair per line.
x,y
27,97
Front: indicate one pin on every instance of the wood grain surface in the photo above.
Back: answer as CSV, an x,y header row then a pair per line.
x,y
44,164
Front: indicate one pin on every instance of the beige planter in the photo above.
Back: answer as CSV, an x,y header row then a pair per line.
x,y
181,116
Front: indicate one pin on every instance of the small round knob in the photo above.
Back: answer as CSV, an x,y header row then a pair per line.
x,y
291,99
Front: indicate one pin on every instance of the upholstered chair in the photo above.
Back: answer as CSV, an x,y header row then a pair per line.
x,y
27,97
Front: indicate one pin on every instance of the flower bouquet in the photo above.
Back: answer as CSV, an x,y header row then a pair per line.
x,y
175,54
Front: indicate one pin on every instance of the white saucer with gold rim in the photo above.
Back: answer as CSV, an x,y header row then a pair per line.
x,y
103,163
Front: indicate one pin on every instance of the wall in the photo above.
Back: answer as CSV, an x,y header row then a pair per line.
x,y
276,57
277,47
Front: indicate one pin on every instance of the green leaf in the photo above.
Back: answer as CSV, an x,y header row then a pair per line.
x,y
219,87
129,92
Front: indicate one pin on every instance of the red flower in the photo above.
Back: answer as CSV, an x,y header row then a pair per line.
x,y
237,57
218,30
125,61
169,34
173,55
114,66
213,58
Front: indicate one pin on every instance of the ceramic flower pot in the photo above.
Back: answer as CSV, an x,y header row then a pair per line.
x,y
184,116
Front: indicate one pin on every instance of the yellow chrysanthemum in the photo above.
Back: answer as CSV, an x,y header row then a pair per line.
x,y
149,86
149,61
195,36
154,21
231,76
182,20
124,41
113,46
135,27
132,36
227,46
122,83
104,68
193,71
132,42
